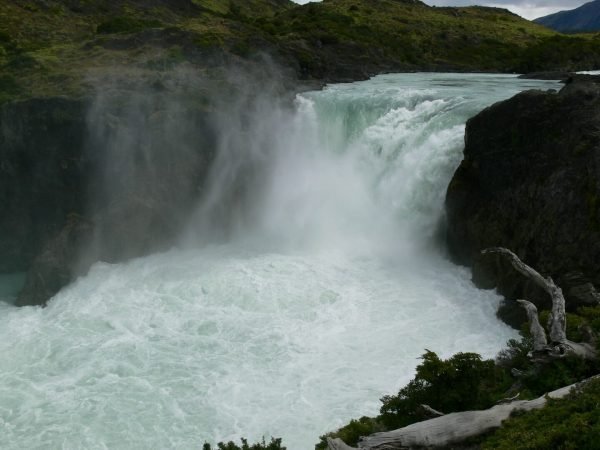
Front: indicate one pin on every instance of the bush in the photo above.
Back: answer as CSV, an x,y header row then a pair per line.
x,y
352,432
570,423
275,444
126,25
9,88
463,382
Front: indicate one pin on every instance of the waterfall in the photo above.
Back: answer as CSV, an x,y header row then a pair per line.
x,y
306,282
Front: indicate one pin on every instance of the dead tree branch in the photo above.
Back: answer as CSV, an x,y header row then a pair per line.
x,y
557,323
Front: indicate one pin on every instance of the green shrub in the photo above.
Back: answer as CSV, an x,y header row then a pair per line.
x,y
9,88
22,61
124,24
463,382
352,432
570,423
274,444
557,373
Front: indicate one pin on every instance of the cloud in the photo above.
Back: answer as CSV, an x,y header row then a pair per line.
x,y
530,9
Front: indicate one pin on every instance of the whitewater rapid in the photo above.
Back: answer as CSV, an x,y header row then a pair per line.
x,y
329,285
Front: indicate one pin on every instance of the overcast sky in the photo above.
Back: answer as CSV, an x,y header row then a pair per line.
x,y
529,9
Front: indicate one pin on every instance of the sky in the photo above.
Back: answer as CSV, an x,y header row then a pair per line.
x,y
530,9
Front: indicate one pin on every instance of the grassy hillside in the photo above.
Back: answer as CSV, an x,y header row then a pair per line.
x,y
52,47
392,34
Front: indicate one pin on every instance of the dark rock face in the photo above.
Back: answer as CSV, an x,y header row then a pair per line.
x,y
42,168
562,76
57,264
530,181
104,180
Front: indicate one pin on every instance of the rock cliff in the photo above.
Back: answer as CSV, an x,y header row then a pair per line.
x,y
530,181
108,178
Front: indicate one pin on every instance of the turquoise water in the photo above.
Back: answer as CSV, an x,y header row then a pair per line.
x,y
10,285
329,286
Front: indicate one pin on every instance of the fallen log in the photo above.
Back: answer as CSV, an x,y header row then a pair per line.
x,y
452,428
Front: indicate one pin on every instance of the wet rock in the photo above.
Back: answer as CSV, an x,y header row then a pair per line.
x,y
58,264
42,171
562,76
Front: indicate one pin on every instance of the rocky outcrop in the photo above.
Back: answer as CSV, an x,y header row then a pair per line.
x,y
59,262
530,181
562,76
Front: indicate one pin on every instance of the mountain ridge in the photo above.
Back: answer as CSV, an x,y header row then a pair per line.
x,y
585,18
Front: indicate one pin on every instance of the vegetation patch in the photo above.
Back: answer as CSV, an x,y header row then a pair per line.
x,y
126,25
467,382
570,423
274,444
332,40
9,87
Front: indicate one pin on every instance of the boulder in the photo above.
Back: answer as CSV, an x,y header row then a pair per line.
x,y
58,263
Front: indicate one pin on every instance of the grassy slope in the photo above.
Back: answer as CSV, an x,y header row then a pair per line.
x,y
50,47
413,35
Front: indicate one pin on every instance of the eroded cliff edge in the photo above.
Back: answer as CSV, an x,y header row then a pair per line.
x,y
530,181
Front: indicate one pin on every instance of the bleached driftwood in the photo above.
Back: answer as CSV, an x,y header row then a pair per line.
x,y
508,399
540,343
430,411
451,428
557,322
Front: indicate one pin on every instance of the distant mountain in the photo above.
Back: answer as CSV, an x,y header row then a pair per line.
x,y
584,18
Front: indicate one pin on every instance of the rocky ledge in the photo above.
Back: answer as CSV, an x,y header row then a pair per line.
x,y
530,181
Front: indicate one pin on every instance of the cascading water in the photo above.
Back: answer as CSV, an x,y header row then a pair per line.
x,y
306,286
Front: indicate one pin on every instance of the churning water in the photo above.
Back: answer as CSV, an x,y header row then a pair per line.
x,y
319,299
